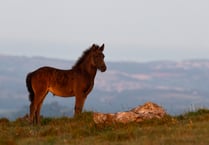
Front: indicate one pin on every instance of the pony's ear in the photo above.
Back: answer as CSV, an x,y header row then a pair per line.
x,y
102,47
94,47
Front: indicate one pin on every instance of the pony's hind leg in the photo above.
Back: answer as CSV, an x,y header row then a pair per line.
x,y
36,106
37,113
32,111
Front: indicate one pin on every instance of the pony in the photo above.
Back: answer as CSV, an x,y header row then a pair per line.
x,y
77,81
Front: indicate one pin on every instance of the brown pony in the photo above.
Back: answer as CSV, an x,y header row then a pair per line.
x,y
77,81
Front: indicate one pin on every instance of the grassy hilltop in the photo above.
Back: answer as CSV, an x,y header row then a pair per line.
x,y
189,129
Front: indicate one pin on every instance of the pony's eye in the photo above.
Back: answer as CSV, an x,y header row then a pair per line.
x,y
100,56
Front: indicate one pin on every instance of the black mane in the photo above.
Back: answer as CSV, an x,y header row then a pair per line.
x,y
82,58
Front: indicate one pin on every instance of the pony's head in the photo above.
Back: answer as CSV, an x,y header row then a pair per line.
x,y
98,57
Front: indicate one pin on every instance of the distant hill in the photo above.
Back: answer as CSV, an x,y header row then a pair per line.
x,y
178,86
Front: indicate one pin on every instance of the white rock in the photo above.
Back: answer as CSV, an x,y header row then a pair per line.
x,y
147,111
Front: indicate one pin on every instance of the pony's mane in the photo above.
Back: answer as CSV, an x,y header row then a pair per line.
x,y
82,58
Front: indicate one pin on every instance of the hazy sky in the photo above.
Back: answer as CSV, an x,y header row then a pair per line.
x,y
137,30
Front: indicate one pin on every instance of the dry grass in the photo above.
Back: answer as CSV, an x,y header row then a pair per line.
x,y
188,129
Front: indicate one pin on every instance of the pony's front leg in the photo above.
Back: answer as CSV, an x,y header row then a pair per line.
x,y
79,103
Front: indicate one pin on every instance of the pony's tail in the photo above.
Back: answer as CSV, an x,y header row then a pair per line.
x,y
29,87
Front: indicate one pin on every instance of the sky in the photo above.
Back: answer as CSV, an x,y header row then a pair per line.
x,y
132,30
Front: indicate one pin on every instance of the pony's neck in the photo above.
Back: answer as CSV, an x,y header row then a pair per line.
x,y
91,71
87,67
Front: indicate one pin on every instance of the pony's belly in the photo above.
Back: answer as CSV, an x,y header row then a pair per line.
x,y
64,96
61,92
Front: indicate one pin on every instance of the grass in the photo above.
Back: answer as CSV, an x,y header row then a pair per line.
x,y
188,129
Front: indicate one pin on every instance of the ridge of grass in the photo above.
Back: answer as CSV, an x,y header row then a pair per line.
x,y
187,129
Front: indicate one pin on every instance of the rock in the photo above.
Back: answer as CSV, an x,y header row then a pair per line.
x,y
147,111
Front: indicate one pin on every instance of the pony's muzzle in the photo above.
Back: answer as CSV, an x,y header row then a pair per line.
x,y
103,68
